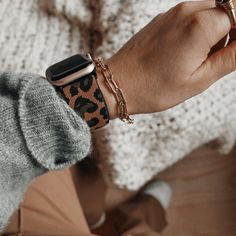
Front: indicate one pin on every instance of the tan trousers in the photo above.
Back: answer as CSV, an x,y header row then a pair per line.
x,y
52,206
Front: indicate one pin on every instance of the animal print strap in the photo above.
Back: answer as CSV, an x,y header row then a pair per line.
x,y
85,97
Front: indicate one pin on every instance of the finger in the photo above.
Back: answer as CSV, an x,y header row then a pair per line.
x,y
201,5
216,66
232,31
213,24
187,8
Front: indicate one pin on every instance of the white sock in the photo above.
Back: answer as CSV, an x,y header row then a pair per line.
x,y
161,191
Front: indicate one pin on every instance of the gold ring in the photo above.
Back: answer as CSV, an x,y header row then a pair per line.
x,y
228,6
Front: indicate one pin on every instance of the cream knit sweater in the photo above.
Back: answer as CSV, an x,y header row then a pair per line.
x,y
35,34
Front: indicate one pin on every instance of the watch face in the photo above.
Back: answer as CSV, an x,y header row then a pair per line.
x,y
68,67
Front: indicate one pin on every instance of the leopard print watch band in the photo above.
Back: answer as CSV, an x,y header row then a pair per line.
x,y
85,97
75,80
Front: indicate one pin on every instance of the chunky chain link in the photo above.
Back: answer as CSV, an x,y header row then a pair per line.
x,y
119,96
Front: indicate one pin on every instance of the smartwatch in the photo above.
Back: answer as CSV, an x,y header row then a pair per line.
x,y
75,80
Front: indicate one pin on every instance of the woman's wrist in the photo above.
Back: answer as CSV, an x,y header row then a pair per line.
x,y
108,96
119,78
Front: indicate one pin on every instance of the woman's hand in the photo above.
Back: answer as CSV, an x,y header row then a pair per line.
x,y
169,60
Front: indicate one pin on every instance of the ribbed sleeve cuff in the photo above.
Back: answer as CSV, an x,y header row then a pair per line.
x,y
54,134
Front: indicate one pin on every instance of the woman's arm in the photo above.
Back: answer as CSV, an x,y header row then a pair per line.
x,y
171,60
164,64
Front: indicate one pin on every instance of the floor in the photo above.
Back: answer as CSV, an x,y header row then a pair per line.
x,y
204,195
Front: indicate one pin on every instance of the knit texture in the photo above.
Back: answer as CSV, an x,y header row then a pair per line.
x,y
38,132
132,155
31,40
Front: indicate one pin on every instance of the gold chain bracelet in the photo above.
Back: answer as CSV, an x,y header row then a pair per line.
x,y
119,96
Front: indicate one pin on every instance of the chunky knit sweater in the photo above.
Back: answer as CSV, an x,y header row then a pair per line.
x,y
39,33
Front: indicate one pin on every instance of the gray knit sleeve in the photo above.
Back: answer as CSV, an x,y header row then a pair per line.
x,y
38,132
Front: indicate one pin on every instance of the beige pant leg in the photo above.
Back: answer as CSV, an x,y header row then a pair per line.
x,y
50,207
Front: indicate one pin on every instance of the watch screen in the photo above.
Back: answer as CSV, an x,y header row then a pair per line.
x,y
67,67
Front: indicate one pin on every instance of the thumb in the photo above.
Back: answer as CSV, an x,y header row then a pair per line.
x,y
216,66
